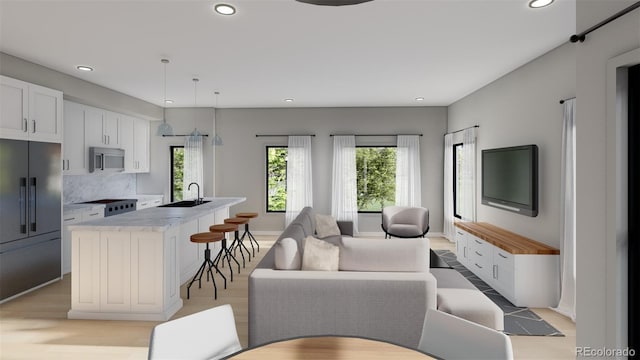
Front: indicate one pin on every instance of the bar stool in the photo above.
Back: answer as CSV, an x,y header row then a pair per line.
x,y
225,252
206,238
249,215
237,242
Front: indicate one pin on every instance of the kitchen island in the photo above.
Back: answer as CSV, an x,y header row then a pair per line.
x,y
131,266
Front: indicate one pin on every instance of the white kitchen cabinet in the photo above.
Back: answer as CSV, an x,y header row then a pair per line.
x,y
145,204
134,137
75,153
522,270
190,257
29,111
125,275
72,219
101,127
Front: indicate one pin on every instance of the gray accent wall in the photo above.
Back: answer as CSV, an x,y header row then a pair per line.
x,y
523,108
241,161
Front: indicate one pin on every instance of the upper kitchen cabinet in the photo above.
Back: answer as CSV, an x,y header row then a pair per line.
x,y
102,127
74,149
29,111
134,135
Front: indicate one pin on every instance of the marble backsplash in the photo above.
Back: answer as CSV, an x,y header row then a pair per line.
x,y
79,188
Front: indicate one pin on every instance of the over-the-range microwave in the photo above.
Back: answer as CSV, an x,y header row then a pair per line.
x,y
106,160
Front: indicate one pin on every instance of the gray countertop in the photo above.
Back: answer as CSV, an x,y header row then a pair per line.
x,y
157,218
75,208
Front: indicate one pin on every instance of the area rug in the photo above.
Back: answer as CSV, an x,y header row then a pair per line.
x,y
517,320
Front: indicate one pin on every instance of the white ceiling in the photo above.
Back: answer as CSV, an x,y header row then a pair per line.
x,y
380,53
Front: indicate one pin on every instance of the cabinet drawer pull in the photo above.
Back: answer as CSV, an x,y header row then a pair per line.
x,y
34,125
477,253
477,242
459,233
495,271
69,219
25,125
94,214
502,256
479,267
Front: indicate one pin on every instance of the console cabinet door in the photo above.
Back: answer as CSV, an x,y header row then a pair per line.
x,y
462,247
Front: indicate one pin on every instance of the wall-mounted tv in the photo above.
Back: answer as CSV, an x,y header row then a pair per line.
x,y
510,179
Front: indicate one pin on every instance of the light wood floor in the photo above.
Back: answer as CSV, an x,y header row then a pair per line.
x,y
35,326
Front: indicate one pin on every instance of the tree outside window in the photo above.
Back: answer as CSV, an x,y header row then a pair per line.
x,y
376,177
177,171
276,178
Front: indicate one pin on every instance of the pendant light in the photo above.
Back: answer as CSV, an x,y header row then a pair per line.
x,y
195,131
217,140
164,129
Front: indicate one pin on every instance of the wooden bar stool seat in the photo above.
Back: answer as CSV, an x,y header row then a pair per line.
x,y
252,239
237,242
225,252
207,264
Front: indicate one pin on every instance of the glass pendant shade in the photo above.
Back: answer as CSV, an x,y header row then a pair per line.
x,y
164,129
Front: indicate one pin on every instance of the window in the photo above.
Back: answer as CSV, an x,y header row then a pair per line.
x,y
458,159
276,178
177,170
376,177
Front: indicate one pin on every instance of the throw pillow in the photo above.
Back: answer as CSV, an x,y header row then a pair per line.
x,y
320,255
326,225
287,256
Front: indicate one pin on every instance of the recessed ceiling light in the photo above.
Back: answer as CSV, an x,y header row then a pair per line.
x,y
168,101
84,68
539,3
288,100
224,9
419,99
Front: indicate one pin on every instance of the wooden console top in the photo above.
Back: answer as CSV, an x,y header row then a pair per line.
x,y
506,240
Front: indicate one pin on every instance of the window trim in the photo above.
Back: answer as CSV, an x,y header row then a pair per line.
x,y
266,179
371,146
455,188
171,182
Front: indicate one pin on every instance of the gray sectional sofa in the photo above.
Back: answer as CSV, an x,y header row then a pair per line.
x,y
382,290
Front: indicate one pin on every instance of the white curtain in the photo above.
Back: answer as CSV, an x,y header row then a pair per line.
x,y
408,182
299,176
567,304
344,201
448,228
468,176
193,166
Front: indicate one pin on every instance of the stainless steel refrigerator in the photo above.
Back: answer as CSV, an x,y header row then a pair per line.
x,y
30,215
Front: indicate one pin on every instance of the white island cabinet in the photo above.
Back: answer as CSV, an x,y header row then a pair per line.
x,y
130,266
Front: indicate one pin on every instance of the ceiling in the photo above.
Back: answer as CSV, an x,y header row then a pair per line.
x,y
380,53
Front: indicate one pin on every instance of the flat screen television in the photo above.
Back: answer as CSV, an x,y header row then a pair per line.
x,y
510,179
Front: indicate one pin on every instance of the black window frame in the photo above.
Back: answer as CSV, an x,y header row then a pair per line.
x,y
266,178
455,179
171,178
372,146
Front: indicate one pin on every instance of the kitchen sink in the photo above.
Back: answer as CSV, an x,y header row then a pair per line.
x,y
185,203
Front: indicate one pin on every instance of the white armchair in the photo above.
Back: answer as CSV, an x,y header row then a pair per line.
x,y
405,221
450,337
208,334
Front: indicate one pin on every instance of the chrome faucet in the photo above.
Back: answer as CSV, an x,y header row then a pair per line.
x,y
198,199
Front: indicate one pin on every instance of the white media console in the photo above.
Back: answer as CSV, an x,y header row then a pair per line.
x,y
524,271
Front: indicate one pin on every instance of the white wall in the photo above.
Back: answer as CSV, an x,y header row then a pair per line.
x,y
241,160
594,328
183,121
523,108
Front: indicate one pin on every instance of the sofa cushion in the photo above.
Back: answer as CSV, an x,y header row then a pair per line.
x,y
287,255
326,225
320,255
406,255
306,219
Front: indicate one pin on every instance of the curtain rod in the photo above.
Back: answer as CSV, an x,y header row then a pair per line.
x,y
581,37
563,100
457,131
374,134
184,135
277,135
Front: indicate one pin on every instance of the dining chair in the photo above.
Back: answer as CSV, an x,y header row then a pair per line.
x,y
208,334
450,337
